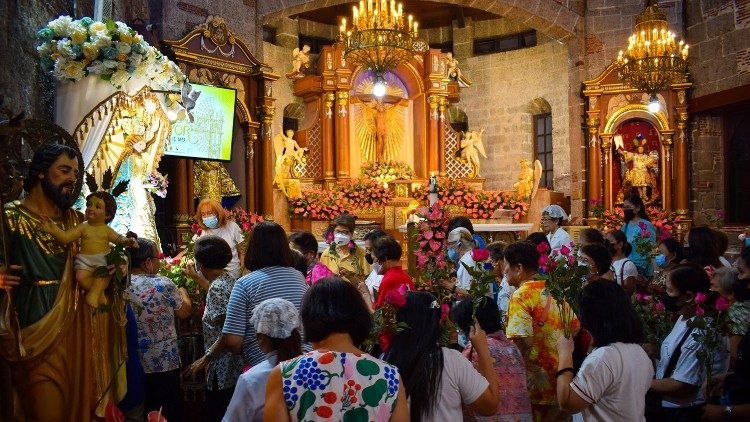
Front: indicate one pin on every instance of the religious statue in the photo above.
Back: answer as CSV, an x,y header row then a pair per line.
x,y
528,179
212,180
454,72
470,149
288,155
67,363
380,130
300,61
642,174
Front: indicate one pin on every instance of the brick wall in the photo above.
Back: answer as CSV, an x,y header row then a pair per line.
x,y
280,59
707,161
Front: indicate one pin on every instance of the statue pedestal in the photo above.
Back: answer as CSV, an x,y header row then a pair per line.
x,y
281,210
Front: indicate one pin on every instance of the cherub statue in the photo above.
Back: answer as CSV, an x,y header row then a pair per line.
x,y
528,179
454,72
95,236
642,174
470,149
288,154
300,61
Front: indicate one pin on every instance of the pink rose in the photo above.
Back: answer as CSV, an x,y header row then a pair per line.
x,y
176,261
479,255
246,227
444,311
395,298
564,250
700,297
571,259
722,304
543,260
639,297
659,307
699,311
542,248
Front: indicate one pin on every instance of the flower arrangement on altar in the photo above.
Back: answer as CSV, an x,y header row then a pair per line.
x,y
657,322
665,222
564,278
476,204
450,192
157,184
320,204
73,49
386,171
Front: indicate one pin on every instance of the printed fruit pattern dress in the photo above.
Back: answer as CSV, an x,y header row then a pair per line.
x,y
338,386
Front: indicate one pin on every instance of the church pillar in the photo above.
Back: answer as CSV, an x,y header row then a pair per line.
x,y
190,182
264,150
442,106
326,120
606,162
182,217
594,175
681,156
342,135
250,142
666,170
433,136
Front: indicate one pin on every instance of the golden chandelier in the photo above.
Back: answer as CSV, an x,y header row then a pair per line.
x,y
653,60
380,38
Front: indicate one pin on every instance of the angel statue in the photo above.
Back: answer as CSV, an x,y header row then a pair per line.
x,y
454,72
300,61
470,150
288,155
528,179
642,174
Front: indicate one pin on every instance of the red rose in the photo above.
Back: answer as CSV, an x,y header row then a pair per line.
x,y
479,255
395,298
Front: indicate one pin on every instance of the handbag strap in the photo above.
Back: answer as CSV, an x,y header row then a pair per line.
x,y
676,355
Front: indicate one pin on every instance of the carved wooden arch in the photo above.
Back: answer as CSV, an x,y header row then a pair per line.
x,y
636,111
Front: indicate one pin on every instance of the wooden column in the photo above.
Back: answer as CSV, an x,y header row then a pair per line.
x,y
180,203
190,182
328,150
442,106
594,173
342,135
681,168
666,170
251,139
608,201
433,124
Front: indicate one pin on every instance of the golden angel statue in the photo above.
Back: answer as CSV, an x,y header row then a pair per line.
x,y
454,72
212,180
528,179
379,128
300,61
470,149
288,155
642,174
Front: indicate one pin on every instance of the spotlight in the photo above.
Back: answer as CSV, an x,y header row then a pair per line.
x,y
379,88
653,104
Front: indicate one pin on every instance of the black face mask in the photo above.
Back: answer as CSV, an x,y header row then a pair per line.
x,y
368,258
629,215
670,303
610,248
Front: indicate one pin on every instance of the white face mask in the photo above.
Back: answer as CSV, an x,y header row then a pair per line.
x,y
341,239
376,267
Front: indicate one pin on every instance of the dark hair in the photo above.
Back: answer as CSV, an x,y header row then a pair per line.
x,y
497,250
212,252
305,241
523,253
43,158
299,262
537,238
591,235
487,315
600,255
374,235
606,312
333,305
346,220
110,206
620,237
722,241
460,221
674,246
416,353
703,247
387,248
268,247
638,202
286,348
690,277
145,251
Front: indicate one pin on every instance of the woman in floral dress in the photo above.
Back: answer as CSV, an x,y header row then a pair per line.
x,y
156,301
336,381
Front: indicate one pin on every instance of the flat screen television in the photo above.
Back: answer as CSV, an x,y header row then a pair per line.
x,y
209,136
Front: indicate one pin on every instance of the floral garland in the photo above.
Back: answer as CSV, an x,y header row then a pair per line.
x,y
665,222
386,171
431,246
476,204
319,204
73,49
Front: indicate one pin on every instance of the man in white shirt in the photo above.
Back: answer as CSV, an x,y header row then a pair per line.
x,y
552,218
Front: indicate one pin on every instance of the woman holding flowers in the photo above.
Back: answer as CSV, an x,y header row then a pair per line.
x,y
460,246
680,373
638,225
344,258
534,324
624,268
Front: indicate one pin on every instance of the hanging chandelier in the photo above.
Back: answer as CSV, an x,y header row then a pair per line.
x,y
380,37
653,60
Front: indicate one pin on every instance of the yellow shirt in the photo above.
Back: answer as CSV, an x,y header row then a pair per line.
x,y
353,262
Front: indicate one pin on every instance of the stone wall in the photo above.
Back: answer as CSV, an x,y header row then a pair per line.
x,y
501,100
707,179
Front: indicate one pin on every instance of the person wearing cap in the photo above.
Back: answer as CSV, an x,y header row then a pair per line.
x,y
552,218
276,323
460,244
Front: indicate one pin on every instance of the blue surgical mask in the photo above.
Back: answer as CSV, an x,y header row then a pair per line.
x,y
453,254
211,221
660,260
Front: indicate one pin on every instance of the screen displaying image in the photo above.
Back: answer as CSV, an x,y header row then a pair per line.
x,y
209,136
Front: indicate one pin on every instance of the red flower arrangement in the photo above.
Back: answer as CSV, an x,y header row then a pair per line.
x,y
318,204
246,220
564,281
665,222
450,192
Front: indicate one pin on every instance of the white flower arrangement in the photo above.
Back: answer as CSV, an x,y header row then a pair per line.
x,y
73,49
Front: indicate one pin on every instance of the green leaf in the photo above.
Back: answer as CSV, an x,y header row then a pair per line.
x,y
367,367
356,415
